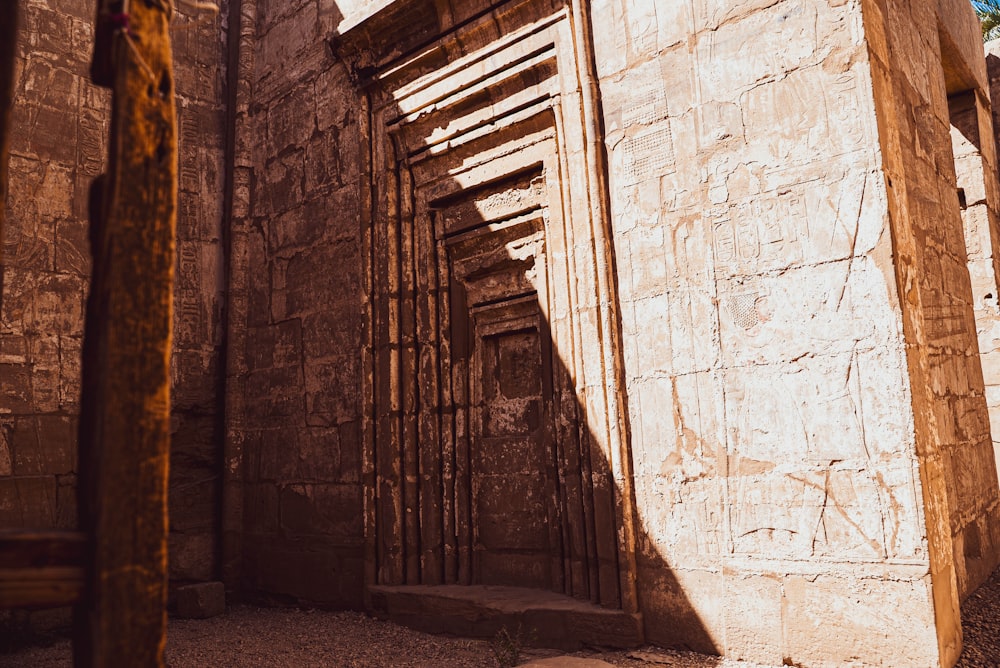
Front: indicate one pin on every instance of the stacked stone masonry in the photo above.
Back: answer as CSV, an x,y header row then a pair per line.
x,y
686,309
59,144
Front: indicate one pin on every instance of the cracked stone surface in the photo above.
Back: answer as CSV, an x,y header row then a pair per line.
x,y
719,345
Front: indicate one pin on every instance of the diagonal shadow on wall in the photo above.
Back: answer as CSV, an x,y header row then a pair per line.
x,y
491,449
493,454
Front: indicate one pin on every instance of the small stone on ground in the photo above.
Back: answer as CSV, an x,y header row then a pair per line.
x,y
201,600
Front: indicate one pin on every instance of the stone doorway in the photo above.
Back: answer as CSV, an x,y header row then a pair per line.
x,y
490,458
507,403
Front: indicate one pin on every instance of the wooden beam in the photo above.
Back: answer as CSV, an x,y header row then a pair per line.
x,y
41,569
125,404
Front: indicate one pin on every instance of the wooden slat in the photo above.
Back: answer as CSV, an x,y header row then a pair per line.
x,y
41,569
45,587
26,549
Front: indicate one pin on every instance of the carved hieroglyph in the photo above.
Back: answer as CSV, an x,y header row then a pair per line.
x,y
797,328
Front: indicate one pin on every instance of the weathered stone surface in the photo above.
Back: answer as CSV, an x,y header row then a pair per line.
x,y
296,314
546,619
202,600
778,382
566,662
58,143
199,302
707,332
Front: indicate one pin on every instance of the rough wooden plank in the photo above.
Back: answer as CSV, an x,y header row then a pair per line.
x,y
124,425
45,587
41,569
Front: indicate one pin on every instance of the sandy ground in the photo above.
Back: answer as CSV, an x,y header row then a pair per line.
x,y
273,637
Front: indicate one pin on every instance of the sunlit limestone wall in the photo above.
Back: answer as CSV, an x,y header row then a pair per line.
x,y
914,48
293,505
989,327
792,427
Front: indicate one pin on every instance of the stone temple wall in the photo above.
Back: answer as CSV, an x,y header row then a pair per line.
x,y
59,144
197,373
912,86
772,385
670,306
791,370
974,150
294,496
767,386
989,337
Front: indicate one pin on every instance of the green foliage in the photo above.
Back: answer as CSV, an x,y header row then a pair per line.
x,y
507,646
988,12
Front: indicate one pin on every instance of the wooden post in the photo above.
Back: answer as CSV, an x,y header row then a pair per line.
x,y
125,405
8,49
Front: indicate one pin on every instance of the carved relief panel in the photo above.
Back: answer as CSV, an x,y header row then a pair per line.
x,y
489,460
500,342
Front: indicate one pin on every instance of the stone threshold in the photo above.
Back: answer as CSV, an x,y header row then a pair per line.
x,y
545,619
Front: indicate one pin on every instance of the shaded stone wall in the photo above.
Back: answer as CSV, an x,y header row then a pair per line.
x,y
58,145
912,78
59,136
199,44
973,518
294,519
978,199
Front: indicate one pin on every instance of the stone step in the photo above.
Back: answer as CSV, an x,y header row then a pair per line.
x,y
545,619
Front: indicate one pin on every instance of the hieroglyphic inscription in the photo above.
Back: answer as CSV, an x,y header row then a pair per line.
x,y
944,321
842,104
188,320
743,308
507,201
755,233
190,138
646,108
650,151
494,202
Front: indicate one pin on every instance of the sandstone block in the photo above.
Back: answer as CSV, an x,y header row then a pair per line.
x,y
566,662
202,600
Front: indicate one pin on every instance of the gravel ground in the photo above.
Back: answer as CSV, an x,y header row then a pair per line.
x,y
981,626
249,636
